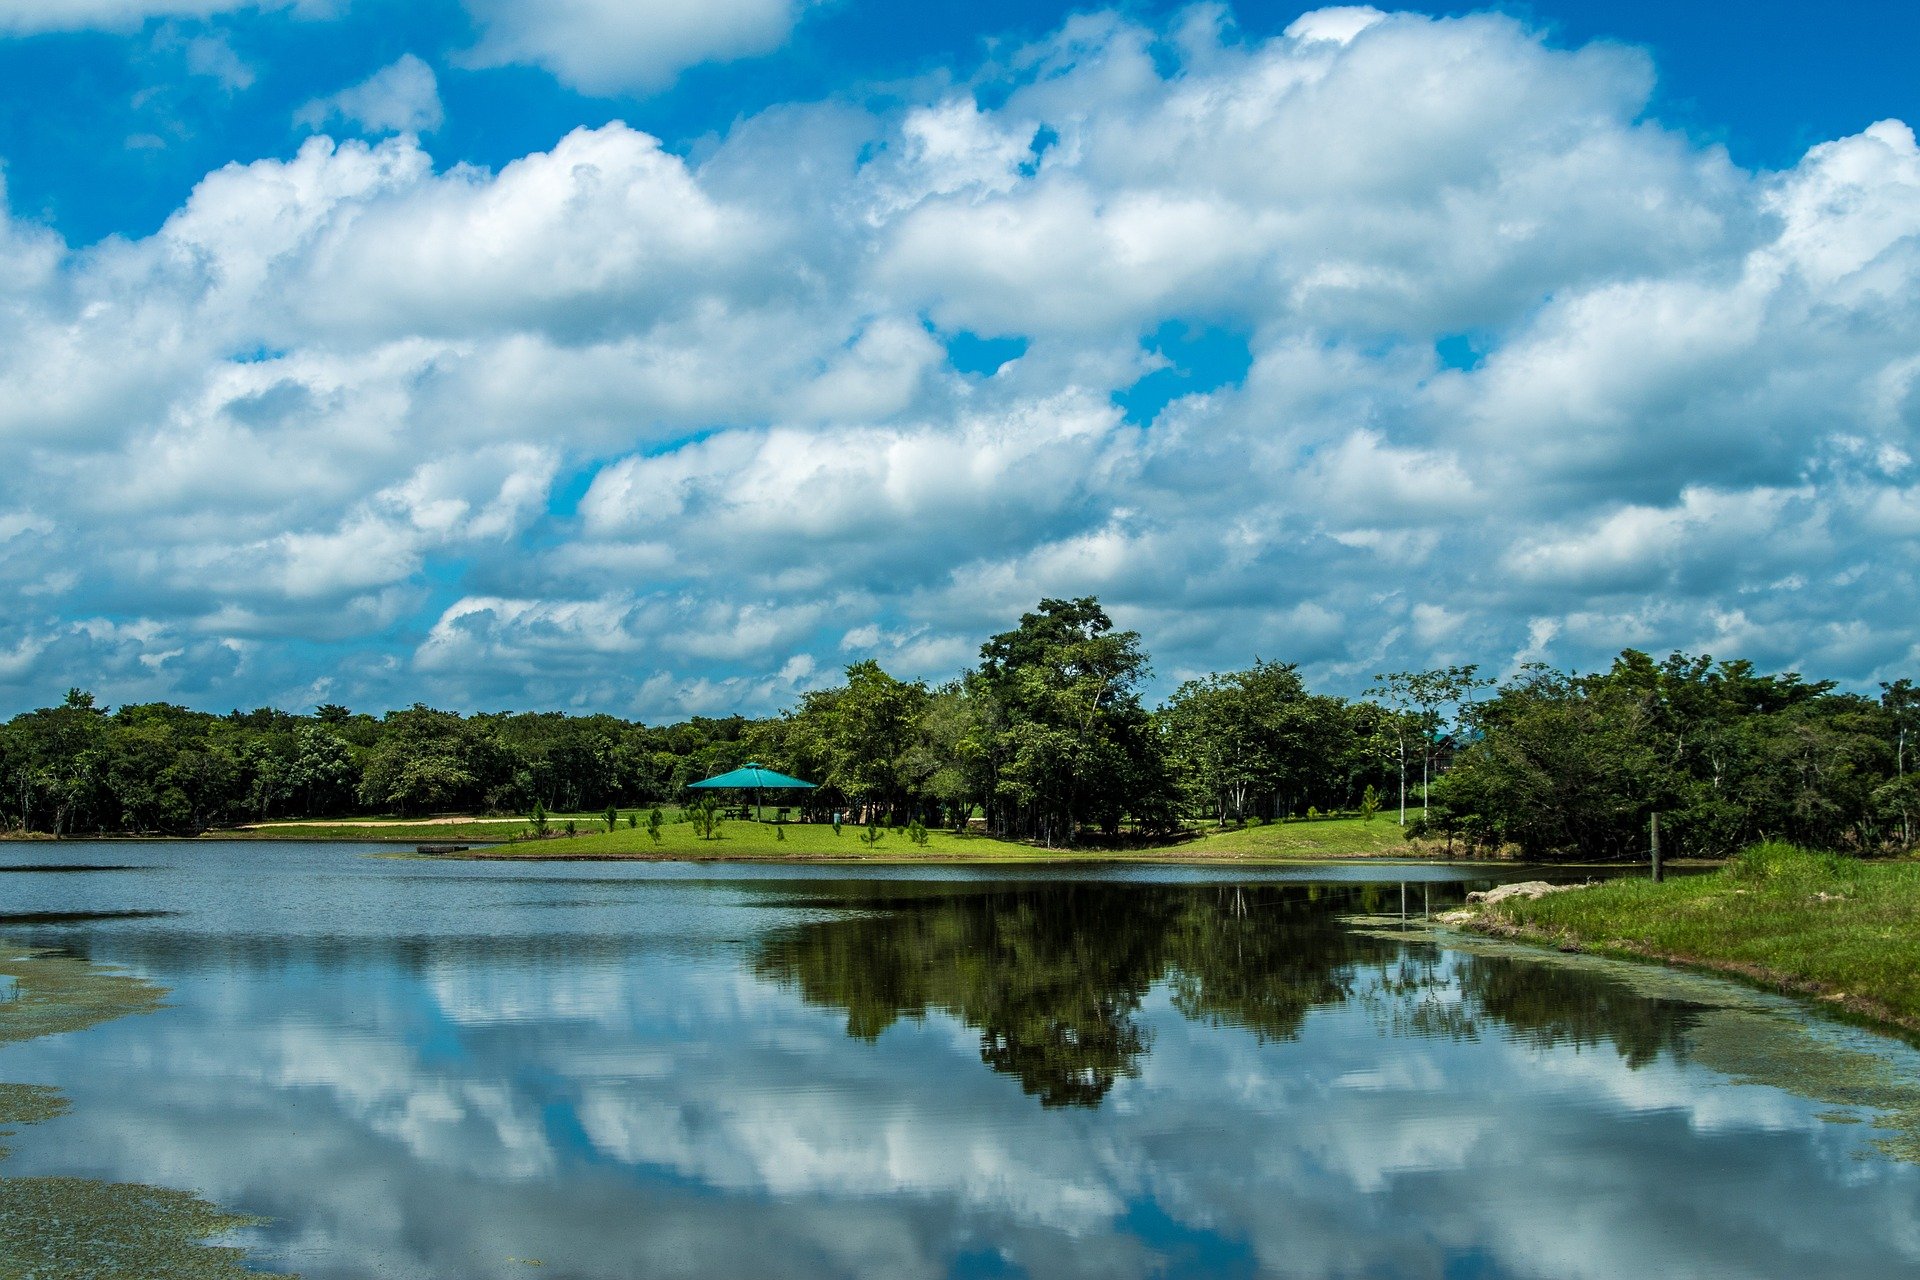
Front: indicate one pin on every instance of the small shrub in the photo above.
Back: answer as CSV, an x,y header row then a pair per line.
x,y
779,834
1369,803
571,829
539,818
654,822
613,817
917,833
633,820
1777,862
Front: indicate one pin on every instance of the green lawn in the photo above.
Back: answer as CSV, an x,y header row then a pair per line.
x,y
748,839
1302,839
1320,839
1838,928
1308,838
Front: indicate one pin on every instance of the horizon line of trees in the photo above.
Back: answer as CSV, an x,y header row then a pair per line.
x,y
1047,740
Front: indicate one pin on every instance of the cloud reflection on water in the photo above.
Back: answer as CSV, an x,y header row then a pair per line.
x,y
432,1110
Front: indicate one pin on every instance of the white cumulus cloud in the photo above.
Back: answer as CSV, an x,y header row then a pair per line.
x,y
403,97
613,46
1389,341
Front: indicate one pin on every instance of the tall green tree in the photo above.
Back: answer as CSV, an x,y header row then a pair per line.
x,y
1725,754
420,765
1076,747
1254,740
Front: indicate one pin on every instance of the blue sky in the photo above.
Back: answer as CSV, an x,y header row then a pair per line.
x,y
661,360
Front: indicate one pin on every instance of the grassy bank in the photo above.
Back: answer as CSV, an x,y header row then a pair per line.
x,y
1325,838
1840,929
1383,837
1300,840
746,839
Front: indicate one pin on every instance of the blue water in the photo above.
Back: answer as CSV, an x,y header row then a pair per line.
x,y
455,1069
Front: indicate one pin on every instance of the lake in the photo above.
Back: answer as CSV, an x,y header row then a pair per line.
x,y
415,1068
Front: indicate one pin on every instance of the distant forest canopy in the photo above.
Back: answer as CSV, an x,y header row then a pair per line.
x,y
1047,740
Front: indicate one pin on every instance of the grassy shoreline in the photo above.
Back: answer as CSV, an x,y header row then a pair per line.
x,y
1303,840
1841,931
1306,841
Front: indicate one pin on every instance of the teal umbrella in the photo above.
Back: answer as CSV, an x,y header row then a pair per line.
x,y
758,778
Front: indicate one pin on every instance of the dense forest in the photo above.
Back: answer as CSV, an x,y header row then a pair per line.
x,y
1047,740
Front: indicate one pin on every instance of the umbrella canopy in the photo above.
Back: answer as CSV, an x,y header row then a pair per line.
x,y
756,777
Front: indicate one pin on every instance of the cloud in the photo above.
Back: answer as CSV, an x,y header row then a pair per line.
x,y
1335,25
616,46
122,15
401,98
1517,373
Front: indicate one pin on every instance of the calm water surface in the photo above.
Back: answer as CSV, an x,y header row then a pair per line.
x,y
456,1069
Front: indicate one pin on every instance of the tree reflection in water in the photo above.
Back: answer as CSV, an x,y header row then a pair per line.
x,y
1547,1006
1052,975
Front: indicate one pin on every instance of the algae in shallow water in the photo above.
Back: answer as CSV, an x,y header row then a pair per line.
x,y
1773,1050
52,994
87,1230
78,1228
1748,1036
27,1104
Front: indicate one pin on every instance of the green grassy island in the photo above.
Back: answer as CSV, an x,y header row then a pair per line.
x,y
1843,930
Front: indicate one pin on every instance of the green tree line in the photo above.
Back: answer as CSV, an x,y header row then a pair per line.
x,y
1558,765
1047,739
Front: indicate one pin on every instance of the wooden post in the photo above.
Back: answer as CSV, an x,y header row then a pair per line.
x,y
1653,831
